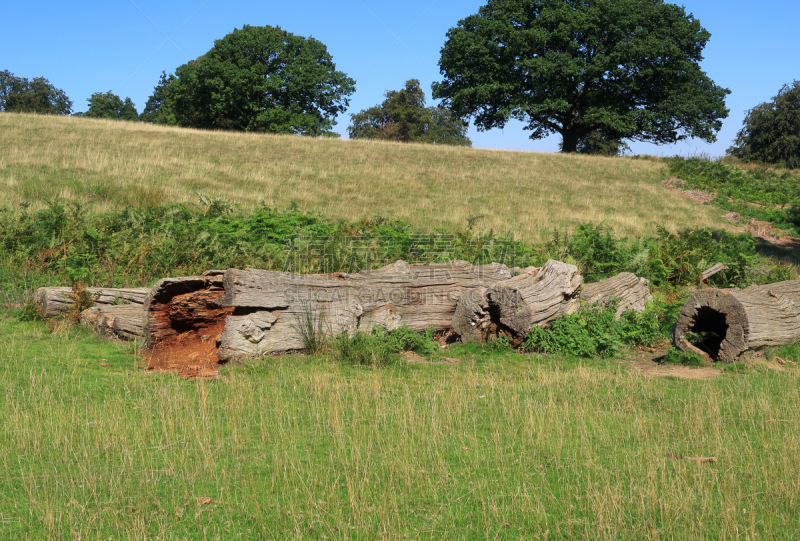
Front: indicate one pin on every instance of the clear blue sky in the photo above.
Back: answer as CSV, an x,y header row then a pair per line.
x,y
122,46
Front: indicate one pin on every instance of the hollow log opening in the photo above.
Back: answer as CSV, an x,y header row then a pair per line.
x,y
714,322
497,328
185,330
711,328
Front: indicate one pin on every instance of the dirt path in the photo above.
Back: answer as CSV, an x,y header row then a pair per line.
x,y
785,245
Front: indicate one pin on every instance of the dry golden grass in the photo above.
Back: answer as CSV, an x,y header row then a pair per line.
x,y
114,163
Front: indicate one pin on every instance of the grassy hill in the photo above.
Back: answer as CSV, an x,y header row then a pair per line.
x,y
469,442
112,164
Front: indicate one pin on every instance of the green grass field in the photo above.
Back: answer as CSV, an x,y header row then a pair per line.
x,y
495,447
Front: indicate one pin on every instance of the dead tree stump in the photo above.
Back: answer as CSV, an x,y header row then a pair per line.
x,y
731,321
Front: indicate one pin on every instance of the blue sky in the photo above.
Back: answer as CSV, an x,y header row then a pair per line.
x,y
122,46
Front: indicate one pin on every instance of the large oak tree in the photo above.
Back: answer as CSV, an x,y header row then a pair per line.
x,y
627,69
263,79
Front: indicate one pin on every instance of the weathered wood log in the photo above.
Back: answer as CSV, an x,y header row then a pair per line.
x,y
716,269
731,321
124,321
54,301
538,296
513,306
632,292
270,308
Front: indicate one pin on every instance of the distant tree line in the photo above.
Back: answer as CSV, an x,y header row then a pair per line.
x,y
19,95
596,72
403,117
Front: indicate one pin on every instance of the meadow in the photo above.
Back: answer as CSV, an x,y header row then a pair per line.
x,y
474,442
485,447
109,165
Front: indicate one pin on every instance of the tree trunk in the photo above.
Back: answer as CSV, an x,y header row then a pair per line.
x,y
125,321
54,301
731,321
513,306
569,142
251,313
537,297
271,308
632,292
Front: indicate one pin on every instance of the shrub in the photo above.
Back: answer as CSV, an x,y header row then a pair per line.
x,y
381,347
31,312
684,358
499,344
679,259
597,251
594,331
82,300
590,332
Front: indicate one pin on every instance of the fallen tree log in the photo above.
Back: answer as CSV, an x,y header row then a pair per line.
x,y
126,321
55,301
731,321
632,292
513,306
270,309
538,296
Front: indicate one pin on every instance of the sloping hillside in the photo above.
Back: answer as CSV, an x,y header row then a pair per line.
x,y
111,164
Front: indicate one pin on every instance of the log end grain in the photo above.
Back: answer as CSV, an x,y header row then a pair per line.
x,y
720,317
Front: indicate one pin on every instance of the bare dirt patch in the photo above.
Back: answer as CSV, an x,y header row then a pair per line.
x,y
676,184
644,363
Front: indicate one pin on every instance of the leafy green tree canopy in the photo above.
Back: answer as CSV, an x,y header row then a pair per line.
x,y
109,105
403,117
19,95
263,79
156,111
771,132
629,68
